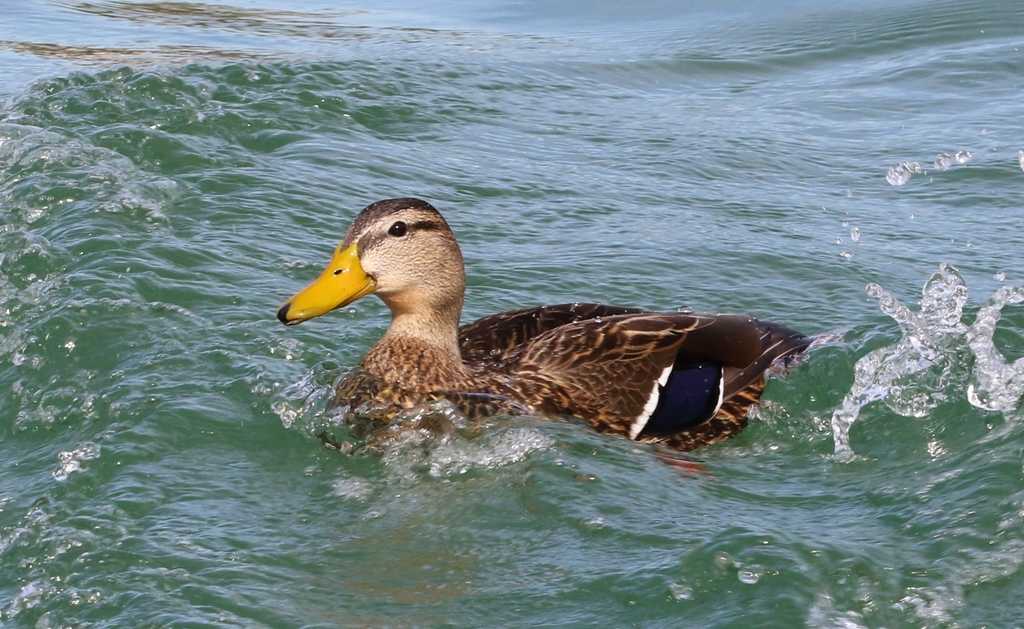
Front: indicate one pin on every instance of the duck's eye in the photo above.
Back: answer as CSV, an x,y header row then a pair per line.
x,y
398,229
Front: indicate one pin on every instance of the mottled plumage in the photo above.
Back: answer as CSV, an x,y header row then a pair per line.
x,y
680,379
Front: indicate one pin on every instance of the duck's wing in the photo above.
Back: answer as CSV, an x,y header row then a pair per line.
x,y
491,338
641,374
780,346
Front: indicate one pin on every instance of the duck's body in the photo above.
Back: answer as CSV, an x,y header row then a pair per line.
x,y
683,379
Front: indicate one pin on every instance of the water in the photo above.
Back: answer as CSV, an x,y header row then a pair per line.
x,y
170,172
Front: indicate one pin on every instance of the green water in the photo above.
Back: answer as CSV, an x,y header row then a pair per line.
x,y
170,173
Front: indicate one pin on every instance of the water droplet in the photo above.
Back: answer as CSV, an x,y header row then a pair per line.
x,y
855,234
897,175
723,560
943,161
680,592
750,574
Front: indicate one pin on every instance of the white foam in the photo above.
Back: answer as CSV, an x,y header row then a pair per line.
x,y
71,461
456,456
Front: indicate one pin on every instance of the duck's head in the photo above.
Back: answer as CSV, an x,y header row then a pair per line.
x,y
401,249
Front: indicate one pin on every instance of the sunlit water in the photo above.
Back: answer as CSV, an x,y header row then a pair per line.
x,y
171,172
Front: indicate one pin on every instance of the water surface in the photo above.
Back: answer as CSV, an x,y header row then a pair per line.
x,y
171,172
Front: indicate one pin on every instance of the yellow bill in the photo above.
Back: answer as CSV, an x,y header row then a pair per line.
x,y
341,283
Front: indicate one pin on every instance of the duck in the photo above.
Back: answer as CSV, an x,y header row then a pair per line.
x,y
680,379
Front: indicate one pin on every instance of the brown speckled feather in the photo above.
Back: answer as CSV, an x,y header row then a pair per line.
x,y
488,339
609,367
605,368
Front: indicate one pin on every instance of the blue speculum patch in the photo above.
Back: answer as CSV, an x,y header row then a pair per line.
x,y
689,397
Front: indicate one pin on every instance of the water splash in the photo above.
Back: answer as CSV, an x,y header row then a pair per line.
x,y
902,172
995,385
912,376
305,402
433,439
502,447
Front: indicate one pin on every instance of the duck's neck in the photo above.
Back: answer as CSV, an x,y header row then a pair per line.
x,y
420,350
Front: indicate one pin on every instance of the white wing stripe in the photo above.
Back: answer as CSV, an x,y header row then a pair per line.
x,y
652,403
721,394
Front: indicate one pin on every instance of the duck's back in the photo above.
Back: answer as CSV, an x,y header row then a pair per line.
x,y
647,376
